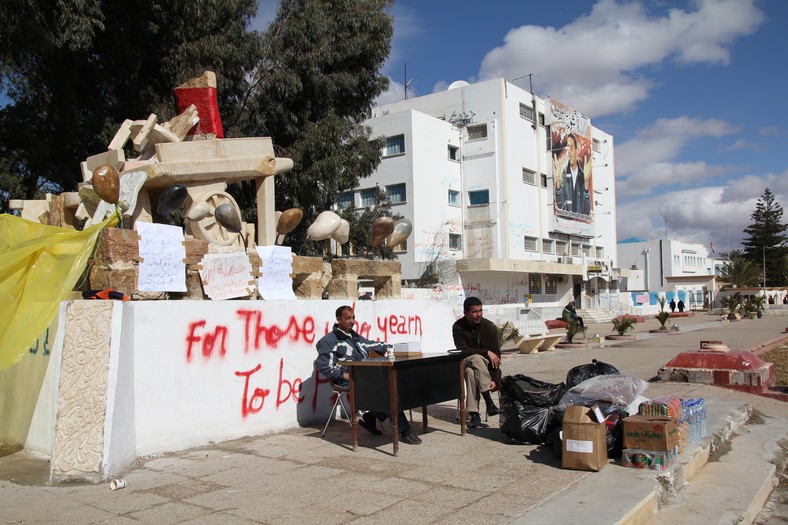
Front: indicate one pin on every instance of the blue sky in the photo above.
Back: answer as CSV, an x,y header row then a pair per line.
x,y
693,93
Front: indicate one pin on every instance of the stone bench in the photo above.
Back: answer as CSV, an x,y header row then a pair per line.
x,y
535,337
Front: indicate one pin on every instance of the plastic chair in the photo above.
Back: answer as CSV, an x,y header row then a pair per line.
x,y
341,393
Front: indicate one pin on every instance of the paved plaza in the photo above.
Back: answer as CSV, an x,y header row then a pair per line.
x,y
298,477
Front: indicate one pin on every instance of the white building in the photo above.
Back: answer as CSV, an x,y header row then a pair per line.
x,y
667,268
472,168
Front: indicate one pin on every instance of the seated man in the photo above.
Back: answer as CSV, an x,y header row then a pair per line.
x,y
344,343
570,314
477,337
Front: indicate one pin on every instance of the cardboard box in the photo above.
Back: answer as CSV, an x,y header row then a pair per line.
x,y
583,439
650,433
410,349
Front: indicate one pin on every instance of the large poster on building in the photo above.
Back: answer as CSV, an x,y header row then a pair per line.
x,y
571,154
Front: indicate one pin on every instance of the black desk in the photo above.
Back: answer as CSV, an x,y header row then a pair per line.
x,y
404,383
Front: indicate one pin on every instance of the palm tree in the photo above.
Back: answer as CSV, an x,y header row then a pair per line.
x,y
740,272
623,324
731,302
662,316
507,333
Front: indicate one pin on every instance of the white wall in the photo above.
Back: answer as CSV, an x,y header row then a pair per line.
x,y
186,373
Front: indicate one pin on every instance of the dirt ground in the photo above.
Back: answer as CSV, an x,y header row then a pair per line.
x,y
779,356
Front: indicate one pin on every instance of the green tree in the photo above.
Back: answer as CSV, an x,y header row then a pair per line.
x,y
766,240
320,75
740,272
73,74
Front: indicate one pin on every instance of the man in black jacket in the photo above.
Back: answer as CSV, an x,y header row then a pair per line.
x,y
477,338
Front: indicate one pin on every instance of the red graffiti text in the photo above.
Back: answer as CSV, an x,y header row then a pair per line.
x,y
205,341
255,332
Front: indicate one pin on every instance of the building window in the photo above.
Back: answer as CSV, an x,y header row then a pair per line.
x,y
477,132
369,197
560,248
527,113
550,284
534,283
541,119
575,250
531,244
600,252
547,246
479,197
596,146
586,250
394,145
454,152
549,138
454,198
346,199
529,176
396,193
544,180
455,241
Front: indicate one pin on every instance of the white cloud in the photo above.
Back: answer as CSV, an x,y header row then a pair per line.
x,y
718,213
651,176
645,162
751,186
596,62
744,144
394,93
770,131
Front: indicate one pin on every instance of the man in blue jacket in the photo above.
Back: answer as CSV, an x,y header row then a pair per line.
x,y
343,343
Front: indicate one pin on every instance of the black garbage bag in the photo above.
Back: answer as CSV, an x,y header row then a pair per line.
x,y
527,413
614,431
580,373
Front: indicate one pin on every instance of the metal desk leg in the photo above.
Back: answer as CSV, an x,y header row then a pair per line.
x,y
353,413
394,408
462,398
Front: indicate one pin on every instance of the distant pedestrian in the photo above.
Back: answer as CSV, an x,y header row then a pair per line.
x,y
672,305
570,314
681,305
785,299
771,299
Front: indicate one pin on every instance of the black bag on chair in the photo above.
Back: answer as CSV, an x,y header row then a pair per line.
x,y
526,408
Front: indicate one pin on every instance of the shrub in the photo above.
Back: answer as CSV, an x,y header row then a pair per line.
x,y
507,333
573,328
624,324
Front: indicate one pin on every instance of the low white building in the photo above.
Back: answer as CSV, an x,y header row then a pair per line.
x,y
473,168
672,269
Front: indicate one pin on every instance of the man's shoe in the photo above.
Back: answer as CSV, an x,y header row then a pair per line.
x,y
492,410
475,420
410,438
367,422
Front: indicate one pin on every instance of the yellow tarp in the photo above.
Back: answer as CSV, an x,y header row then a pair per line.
x,y
39,266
